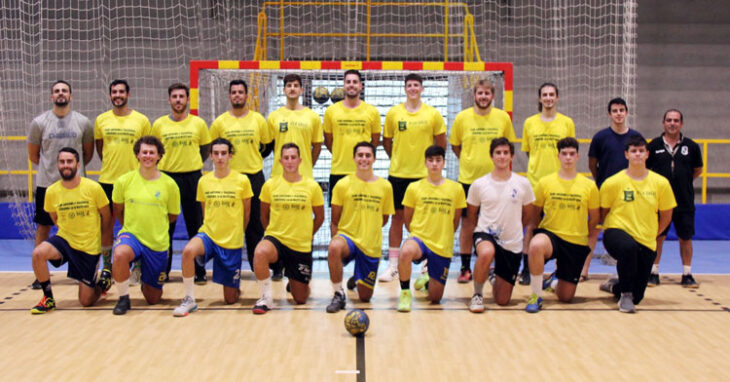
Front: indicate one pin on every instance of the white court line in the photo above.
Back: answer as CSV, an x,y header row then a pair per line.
x,y
347,371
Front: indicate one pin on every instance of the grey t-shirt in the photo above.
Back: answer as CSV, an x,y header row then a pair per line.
x,y
52,134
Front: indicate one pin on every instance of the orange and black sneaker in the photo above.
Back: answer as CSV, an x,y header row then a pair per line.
x,y
46,305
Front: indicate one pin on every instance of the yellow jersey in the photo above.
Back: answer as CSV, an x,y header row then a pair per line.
x,y
412,134
349,127
290,211
246,134
565,204
302,127
540,140
119,134
223,198
182,141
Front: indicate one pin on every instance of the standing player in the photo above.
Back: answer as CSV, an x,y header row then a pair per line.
x,y
501,199
49,132
361,205
570,203
540,135
115,132
288,202
249,133
630,201
226,199
295,123
145,201
186,140
677,158
81,210
345,124
471,136
410,128
432,209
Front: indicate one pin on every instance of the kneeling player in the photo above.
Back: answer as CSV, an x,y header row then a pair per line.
x,y
501,199
361,205
432,210
570,204
80,209
630,201
226,199
288,202
145,202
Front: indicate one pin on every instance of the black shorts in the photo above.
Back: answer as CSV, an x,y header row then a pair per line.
x,y
466,193
506,263
41,216
684,224
81,265
108,190
334,178
399,189
570,257
297,265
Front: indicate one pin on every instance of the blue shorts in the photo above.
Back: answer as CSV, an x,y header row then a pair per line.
x,y
226,262
81,265
438,266
154,263
366,267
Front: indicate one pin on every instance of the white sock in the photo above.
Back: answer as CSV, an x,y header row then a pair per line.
x,y
686,269
478,288
655,269
123,288
188,285
393,254
554,283
337,287
265,287
536,284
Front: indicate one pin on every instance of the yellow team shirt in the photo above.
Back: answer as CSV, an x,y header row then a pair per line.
x,y
223,198
349,127
565,204
474,133
119,135
433,213
634,205
363,206
246,134
302,127
290,213
182,141
412,134
540,140
147,204
77,212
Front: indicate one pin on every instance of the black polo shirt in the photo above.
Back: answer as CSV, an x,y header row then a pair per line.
x,y
677,165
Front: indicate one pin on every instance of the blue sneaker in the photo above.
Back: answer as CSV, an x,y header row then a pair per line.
x,y
534,304
547,283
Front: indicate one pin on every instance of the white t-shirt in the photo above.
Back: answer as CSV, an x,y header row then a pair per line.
x,y
500,203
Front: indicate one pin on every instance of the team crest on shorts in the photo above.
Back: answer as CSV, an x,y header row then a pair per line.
x,y
283,127
402,125
628,195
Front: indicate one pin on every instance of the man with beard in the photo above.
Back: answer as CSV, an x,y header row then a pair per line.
x,y
81,210
49,132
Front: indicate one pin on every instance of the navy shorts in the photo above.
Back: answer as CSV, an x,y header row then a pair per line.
x,y
569,257
399,189
154,263
438,266
226,262
366,267
297,265
684,224
41,216
506,263
81,265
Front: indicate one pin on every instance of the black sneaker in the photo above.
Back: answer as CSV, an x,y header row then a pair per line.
x,y
689,282
201,279
351,283
654,280
36,284
123,305
525,276
105,280
278,275
338,303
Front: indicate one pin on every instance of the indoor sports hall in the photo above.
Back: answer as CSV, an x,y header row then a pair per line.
x,y
657,55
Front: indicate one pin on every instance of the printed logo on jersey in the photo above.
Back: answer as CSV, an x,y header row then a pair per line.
x,y
685,150
402,125
628,195
283,127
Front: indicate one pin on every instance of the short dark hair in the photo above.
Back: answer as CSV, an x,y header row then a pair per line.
x,y
636,141
363,144
61,82
119,82
501,141
484,83
539,92
176,86
435,151
238,82
290,145
413,77
68,150
355,72
681,117
617,101
149,140
291,77
568,142
223,141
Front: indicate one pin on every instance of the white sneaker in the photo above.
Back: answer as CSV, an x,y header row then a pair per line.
x,y
424,267
390,274
136,274
263,305
477,303
187,306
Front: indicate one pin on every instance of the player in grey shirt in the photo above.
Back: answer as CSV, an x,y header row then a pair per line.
x,y
49,132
